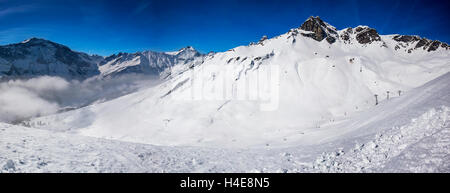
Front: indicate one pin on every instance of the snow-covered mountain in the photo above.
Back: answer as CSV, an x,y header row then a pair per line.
x,y
315,99
317,29
279,91
147,62
37,57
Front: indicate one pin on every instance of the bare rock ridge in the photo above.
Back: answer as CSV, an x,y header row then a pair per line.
x,y
366,35
320,29
419,42
37,57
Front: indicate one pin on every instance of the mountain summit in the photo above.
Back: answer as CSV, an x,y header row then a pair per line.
x,y
317,29
36,56
320,29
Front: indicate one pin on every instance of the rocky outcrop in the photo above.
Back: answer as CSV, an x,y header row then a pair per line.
x,y
320,30
406,38
346,34
420,43
366,35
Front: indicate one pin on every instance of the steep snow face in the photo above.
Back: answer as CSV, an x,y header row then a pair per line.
x,y
319,30
264,93
147,62
36,57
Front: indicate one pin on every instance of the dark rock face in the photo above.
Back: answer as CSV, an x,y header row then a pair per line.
x,y
346,35
423,43
367,35
434,46
263,39
320,30
331,40
406,38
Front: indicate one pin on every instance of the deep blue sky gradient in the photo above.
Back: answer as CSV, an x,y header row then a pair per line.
x,y
106,27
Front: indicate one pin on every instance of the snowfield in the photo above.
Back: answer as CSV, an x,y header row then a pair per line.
x,y
421,146
420,142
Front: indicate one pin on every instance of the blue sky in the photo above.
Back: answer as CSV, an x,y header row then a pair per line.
x,y
106,27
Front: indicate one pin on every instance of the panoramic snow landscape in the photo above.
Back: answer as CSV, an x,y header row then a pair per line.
x,y
314,99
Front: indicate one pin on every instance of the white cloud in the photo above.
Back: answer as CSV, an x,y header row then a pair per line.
x,y
23,99
17,103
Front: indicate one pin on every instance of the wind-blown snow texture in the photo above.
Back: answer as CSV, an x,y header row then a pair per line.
x,y
325,118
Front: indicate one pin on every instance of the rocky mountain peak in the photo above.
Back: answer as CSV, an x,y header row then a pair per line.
x,y
366,35
320,30
187,53
37,56
418,42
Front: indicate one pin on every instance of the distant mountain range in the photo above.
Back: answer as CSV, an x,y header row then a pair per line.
x,y
36,57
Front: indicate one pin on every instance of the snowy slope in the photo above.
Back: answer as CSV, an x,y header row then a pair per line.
x,y
419,142
265,93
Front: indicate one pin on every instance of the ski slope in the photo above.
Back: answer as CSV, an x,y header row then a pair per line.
x,y
418,142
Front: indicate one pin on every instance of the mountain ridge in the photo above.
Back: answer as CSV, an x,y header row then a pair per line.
x,y
364,35
16,60
225,99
